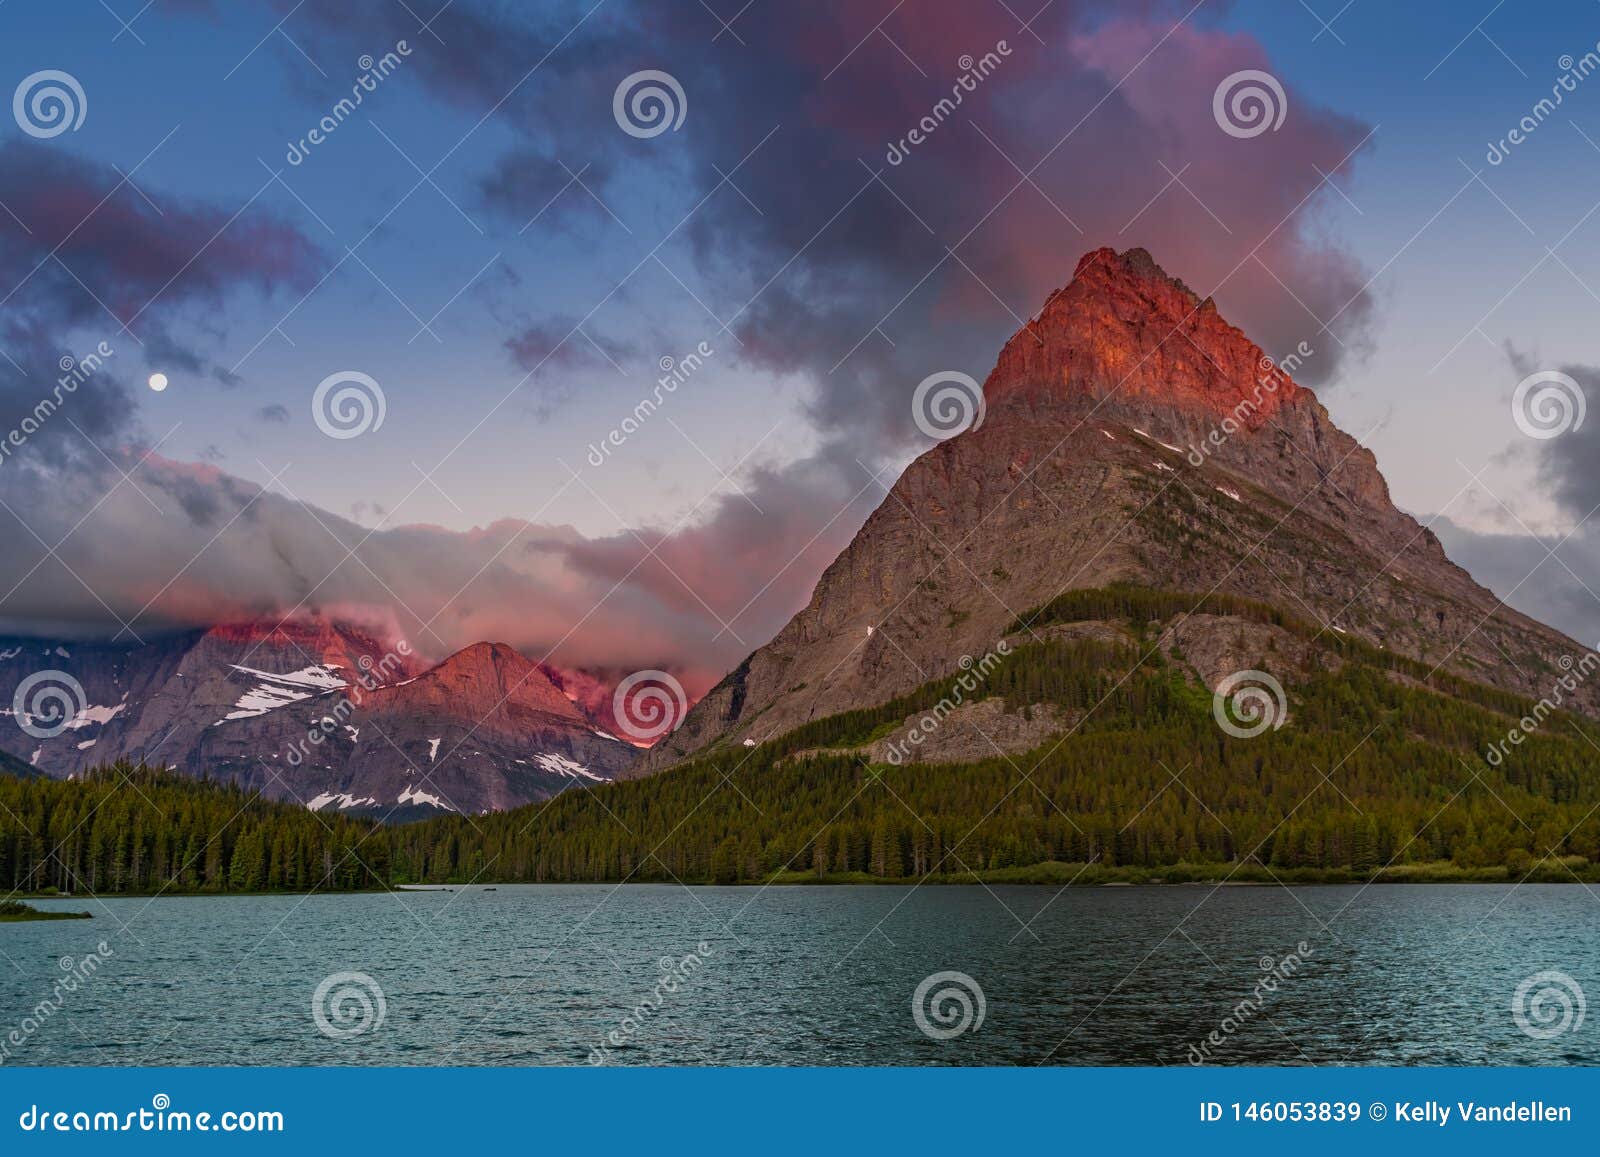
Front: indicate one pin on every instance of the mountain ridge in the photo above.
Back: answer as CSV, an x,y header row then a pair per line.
x,y
311,710
1129,433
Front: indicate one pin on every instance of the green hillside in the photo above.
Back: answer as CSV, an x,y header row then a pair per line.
x,y
1379,771
135,829
1380,765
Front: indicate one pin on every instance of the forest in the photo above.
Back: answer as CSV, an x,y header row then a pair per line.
x,y
127,829
1378,773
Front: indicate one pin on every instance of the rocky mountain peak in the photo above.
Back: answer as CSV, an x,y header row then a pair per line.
x,y
317,710
299,642
1132,436
490,672
1123,330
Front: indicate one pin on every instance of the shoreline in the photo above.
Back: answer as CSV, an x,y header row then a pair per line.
x,y
14,911
1041,875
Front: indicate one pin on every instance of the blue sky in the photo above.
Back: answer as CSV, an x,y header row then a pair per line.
x,y
482,202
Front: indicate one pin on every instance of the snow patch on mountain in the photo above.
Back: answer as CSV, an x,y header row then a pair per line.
x,y
561,765
274,689
417,795
343,799
94,714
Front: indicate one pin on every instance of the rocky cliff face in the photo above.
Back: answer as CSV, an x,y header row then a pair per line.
x,y
1131,435
313,711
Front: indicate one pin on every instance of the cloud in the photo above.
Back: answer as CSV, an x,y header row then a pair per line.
x,y
100,269
831,265
1546,575
276,412
862,276
1568,463
85,225
543,343
1541,576
182,545
535,189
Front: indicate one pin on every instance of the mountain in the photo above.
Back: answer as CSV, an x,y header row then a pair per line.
x,y
1152,618
1129,435
489,728
313,711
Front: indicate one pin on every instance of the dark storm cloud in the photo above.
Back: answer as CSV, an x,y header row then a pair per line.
x,y
1521,569
1545,576
79,216
1569,462
97,268
829,263
819,265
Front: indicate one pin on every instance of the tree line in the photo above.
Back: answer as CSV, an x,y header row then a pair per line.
x,y
1377,766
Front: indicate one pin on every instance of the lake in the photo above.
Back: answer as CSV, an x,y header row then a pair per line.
x,y
532,975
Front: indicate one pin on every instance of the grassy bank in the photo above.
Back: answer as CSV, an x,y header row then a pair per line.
x,y
1090,875
15,911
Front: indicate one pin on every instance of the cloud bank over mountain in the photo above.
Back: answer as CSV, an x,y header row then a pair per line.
x,y
831,265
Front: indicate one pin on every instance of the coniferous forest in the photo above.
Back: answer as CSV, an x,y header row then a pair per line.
x,y
1379,772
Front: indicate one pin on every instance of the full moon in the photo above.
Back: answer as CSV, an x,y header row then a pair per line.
x,y
158,382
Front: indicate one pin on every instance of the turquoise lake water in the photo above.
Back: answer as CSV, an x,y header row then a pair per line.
x,y
528,975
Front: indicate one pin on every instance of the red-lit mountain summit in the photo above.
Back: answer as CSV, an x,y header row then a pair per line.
x,y
1131,435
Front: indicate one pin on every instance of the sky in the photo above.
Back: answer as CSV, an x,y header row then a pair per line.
x,y
497,250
